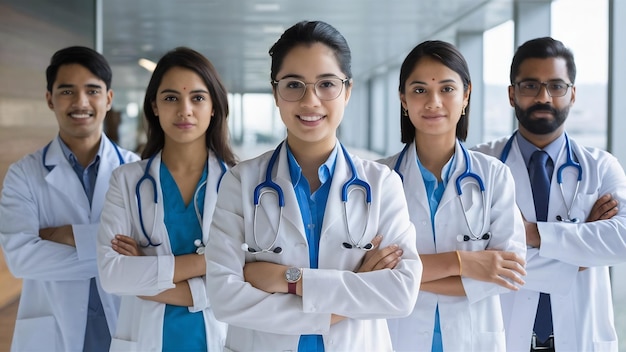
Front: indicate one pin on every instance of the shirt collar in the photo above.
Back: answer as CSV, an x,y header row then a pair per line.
x,y
324,172
71,158
527,148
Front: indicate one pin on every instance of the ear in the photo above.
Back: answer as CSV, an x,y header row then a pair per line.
x,y
512,95
154,108
466,95
49,100
403,101
109,99
348,91
573,98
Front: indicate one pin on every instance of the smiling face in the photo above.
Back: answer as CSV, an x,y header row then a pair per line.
x,y
80,101
542,115
184,107
434,98
311,121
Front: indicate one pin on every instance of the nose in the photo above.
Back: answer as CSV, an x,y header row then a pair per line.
x,y
434,101
185,108
543,96
310,98
81,99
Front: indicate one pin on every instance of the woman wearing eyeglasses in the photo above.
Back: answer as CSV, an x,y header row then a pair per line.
x,y
293,255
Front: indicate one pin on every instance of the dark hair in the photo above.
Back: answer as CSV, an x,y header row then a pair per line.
x,y
452,58
308,33
89,58
217,133
543,48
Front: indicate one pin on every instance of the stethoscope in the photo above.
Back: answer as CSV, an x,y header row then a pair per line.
x,y
459,191
269,186
147,177
569,162
49,168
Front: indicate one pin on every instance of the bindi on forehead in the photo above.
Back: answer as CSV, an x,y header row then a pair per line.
x,y
184,88
433,79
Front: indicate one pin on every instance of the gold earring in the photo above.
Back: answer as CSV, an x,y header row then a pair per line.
x,y
463,112
405,112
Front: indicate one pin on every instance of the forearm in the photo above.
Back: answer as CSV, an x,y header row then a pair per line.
x,y
450,286
439,266
188,266
177,296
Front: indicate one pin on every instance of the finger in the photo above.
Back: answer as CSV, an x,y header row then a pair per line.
x,y
510,256
505,283
514,266
376,241
609,214
389,261
512,275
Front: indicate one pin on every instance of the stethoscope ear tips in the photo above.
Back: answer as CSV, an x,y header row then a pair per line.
x,y
277,250
244,247
347,245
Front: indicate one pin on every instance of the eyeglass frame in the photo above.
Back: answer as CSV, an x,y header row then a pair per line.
x,y
343,84
544,84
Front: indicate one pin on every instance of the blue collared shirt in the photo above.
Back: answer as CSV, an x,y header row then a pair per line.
x,y
86,175
527,149
312,207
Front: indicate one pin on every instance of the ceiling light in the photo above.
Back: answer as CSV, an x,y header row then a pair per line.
x,y
266,7
147,64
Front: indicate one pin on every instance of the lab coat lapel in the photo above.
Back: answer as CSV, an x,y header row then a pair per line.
x,y
523,189
334,205
109,161
151,219
415,190
450,193
269,211
210,197
63,178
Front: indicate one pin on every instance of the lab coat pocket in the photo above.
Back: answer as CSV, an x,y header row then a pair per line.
x,y
123,345
35,334
489,341
602,346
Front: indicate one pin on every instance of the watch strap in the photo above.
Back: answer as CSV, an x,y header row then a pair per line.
x,y
291,287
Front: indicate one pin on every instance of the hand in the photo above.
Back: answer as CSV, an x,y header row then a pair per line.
x,y
377,259
493,266
265,276
603,209
62,234
126,245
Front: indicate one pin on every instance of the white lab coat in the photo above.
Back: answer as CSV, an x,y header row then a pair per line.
x,y
582,306
140,324
273,322
473,322
52,312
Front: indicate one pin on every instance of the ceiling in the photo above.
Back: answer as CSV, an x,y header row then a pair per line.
x,y
236,35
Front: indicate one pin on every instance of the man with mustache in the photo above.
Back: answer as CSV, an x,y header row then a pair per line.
x,y
574,229
50,211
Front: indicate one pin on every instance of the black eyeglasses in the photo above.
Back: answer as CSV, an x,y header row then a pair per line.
x,y
326,88
531,88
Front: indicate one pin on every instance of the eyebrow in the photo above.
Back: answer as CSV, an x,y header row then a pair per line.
x,y
169,90
324,75
449,80
89,85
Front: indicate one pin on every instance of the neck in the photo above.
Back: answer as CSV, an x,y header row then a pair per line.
x,y
434,152
541,140
84,149
310,157
184,157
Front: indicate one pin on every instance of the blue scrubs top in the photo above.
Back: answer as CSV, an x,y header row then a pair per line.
x,y
434,191
182,330
312,207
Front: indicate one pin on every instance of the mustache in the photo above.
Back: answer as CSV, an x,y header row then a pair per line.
x,y
541,107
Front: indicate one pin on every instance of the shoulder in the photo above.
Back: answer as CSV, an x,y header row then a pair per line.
x,y
493,148
389,161
133,169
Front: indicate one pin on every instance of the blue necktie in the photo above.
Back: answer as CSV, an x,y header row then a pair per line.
x,y
540,182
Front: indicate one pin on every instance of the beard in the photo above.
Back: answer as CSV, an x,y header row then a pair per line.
x,y
541,126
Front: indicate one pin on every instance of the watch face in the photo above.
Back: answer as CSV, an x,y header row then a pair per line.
x,y
293,274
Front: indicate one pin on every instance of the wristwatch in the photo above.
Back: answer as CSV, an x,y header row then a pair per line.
x,y
292,275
